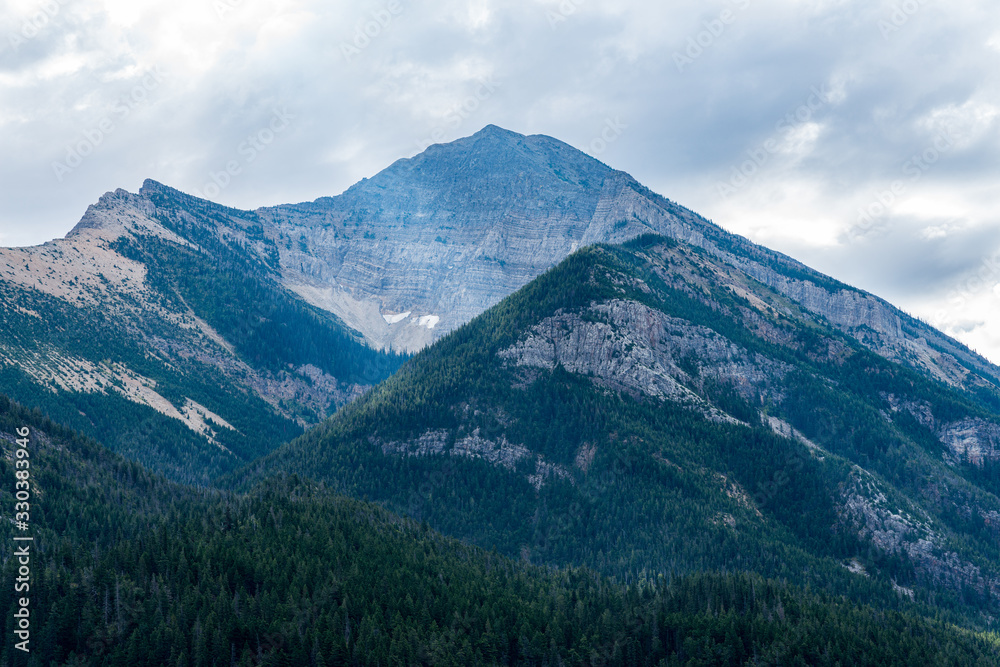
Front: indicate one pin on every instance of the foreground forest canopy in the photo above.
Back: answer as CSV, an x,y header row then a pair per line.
x,y
136,570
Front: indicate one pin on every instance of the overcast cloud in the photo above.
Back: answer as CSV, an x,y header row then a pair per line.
x,y
777,119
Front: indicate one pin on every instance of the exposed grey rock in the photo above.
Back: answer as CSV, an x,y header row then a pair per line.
x,y
629,346
499,453
785,429
974,440
454,230
892,529
430,442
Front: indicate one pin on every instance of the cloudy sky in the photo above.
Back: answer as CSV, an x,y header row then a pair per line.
x,y
859,136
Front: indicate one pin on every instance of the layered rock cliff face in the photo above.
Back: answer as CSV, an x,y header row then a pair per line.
x,y
971,440
629,346
431,242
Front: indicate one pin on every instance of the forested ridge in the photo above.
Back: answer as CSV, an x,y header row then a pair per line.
x,y
61,332
666,490
230,281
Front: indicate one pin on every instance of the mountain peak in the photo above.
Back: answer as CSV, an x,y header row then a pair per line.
x,y
496,129
153,186
498,132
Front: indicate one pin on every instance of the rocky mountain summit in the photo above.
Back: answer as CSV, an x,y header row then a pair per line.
x,y
430,242
425,245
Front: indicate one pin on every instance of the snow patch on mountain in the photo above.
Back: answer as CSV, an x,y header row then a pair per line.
x,y
395,319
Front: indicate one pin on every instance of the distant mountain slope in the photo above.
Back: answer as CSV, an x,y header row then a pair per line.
x,y
651,408
425,245
157,327
127,568
432,241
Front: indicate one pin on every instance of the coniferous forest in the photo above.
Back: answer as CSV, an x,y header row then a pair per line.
x,y
132,569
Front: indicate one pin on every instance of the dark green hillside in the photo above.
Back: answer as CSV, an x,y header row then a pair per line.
x,y
130,569
662,489
134,430
180,350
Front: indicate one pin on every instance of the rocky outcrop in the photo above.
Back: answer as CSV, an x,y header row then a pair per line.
x,y
893,528
628,346
500,453
972,439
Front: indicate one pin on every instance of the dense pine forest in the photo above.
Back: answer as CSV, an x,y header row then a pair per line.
x,y
131,569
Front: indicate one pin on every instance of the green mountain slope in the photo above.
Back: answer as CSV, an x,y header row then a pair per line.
x,y
127,568
648,410
158,327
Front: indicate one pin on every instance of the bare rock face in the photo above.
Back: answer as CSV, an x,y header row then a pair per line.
x,y
894,526
974,440
500,453
625,345
432,241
